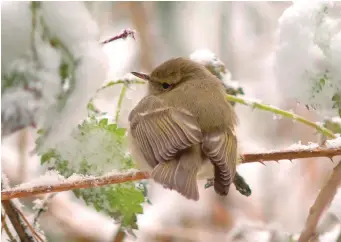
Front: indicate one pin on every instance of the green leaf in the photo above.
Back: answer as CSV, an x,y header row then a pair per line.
x,y
322,82
40,131
112,127
103,122
64,70
48,156
121,131
95,148
336,98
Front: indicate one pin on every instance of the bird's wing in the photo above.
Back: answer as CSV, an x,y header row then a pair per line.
x,y
221,148
162,131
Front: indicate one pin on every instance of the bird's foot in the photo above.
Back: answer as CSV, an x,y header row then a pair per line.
x,y
241,185
209,182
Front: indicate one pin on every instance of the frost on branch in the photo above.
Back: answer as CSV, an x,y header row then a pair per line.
x,y
53,54
308,55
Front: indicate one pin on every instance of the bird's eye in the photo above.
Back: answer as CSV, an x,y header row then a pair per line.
x,y
165,85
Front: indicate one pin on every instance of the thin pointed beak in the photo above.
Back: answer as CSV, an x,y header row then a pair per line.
x,y
141,75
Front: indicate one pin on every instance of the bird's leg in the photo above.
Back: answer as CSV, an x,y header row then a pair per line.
x,y
239,183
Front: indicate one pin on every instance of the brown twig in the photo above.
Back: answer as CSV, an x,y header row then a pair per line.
x,y
119,236
4,226
29,225
14,217
322,201
140,175
125,34
2,221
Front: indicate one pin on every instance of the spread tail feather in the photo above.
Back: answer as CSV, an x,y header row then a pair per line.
x,y
174,176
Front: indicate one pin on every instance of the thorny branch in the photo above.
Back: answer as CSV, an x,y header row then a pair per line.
x,y
322,201
291,154
70,185
134,176
126,33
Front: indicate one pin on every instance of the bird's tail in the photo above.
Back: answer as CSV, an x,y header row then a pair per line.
x,y
177,175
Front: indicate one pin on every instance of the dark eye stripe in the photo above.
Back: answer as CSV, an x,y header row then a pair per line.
x,y
165,85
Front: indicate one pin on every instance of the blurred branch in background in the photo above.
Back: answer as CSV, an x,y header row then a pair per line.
x,y
321,203
141,23
11,211
15,219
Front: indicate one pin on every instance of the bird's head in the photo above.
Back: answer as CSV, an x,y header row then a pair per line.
x,y
171,73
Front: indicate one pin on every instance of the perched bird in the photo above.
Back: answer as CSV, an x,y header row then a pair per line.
x,y
183,130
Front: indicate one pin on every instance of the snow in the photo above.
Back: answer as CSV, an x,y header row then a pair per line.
x,y
307,51
250,101
15,44
82,38
334,143
39,62
53,178
4,180
299,146
50,178
209,59
335,120
98,146
38,203
205,57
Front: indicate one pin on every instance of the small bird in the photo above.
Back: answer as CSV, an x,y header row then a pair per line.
x,y
184,128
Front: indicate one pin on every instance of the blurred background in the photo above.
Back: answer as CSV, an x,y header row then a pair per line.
x,y
243,36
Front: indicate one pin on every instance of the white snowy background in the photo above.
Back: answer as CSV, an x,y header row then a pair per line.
x,y
277,51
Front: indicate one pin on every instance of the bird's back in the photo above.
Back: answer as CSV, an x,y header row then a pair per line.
x,y
205,98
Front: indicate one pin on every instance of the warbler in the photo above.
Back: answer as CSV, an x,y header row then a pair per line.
x,y
184,128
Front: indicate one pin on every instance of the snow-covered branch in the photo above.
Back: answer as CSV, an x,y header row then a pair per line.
x,y
60,184
73,182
